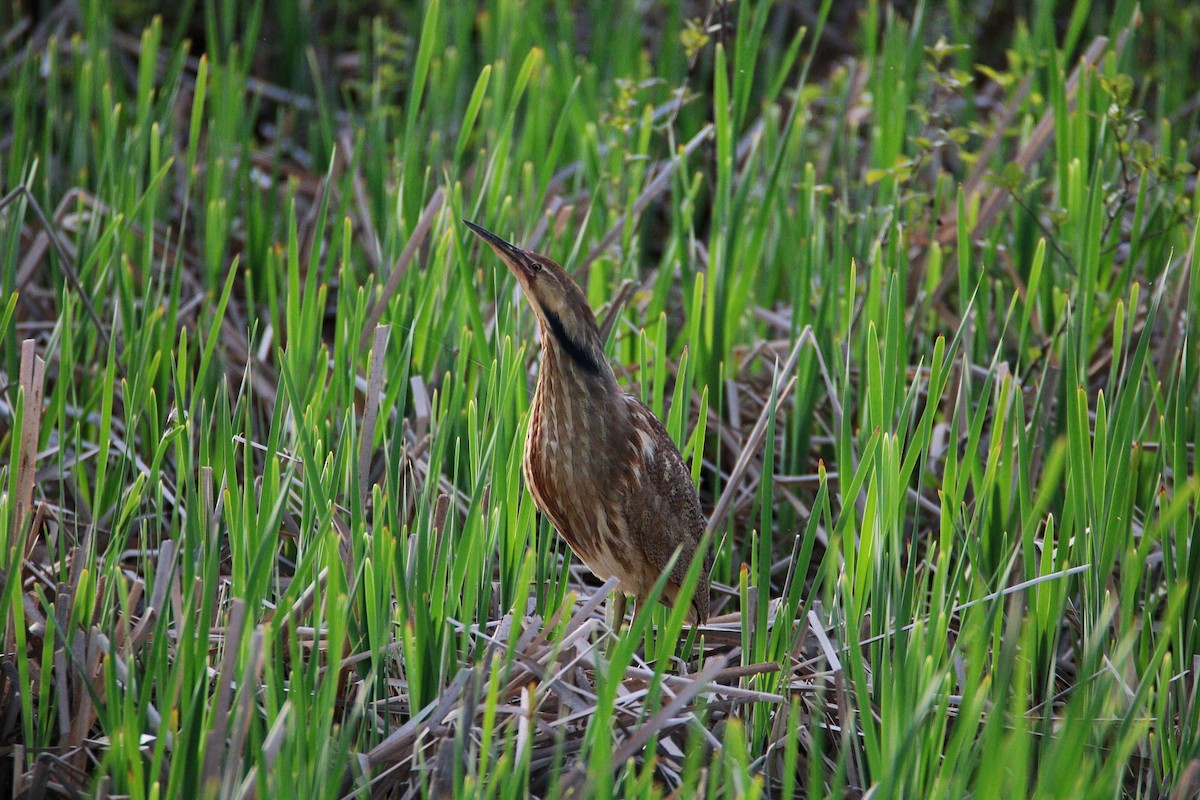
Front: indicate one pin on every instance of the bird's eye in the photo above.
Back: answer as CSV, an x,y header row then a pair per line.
x,y
536,266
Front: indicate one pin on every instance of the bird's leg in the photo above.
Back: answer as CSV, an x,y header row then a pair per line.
x,y
617,603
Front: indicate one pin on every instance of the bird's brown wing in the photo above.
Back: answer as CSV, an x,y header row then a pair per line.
x,y
664,513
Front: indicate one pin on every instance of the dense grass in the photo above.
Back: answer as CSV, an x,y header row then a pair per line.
x,y
916,292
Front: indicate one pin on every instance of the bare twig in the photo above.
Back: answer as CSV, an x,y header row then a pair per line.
x,y
419,234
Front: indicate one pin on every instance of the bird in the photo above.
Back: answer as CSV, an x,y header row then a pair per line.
x,y
598,462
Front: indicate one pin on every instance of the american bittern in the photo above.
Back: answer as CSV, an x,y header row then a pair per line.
x,y
598,462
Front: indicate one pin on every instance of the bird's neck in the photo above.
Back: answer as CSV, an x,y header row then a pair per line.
x,y
580,346
586,389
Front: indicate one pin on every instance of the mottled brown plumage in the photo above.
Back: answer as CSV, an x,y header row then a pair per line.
x,y
598,462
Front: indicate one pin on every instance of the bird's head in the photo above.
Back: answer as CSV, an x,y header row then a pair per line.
x,y
559,303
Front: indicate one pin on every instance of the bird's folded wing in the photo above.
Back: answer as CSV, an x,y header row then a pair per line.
x,y
665,513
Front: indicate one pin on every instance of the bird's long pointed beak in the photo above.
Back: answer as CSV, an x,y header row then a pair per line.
x,y
516,258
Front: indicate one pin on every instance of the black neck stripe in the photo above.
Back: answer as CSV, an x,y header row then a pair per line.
x,y
583,356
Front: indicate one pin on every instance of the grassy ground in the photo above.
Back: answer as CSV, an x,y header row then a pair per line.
x,y
915,290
